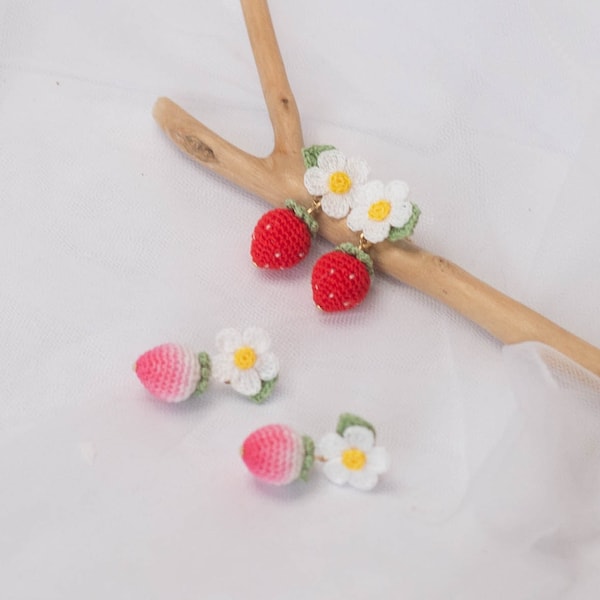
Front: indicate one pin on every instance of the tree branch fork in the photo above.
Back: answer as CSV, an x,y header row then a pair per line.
x,y
280,176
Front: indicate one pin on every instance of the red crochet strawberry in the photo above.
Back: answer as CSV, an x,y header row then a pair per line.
x,y
282,237
341,279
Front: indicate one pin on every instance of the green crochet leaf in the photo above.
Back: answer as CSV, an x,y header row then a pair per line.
x,y
302,213
311,154
348,420
265,391
309,457
205,370
399,233
355,251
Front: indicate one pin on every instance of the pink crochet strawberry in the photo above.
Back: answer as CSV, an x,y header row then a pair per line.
x,y
173,373
277,454
282,237
341,279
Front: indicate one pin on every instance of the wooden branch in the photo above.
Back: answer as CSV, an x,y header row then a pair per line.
x,y
280,176
279,98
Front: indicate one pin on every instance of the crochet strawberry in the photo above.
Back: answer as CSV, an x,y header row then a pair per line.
x,y
282,237
277,454
341,279
173,373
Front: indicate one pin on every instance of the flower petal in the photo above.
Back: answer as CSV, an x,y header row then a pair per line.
x,y
228,340
359,437
331,161
361,198
357,218
378,460
351,197
396,191
358,171
335,206
258,339
371,192
267,366
335,471
222,368
364,480
376,231
331,446
315,181
246,382
400,214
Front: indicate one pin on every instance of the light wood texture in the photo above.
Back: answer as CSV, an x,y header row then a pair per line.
x,y
280,176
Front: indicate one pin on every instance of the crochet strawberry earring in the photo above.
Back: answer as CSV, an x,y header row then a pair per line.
x,y
174,373
340,279
277,454
282,237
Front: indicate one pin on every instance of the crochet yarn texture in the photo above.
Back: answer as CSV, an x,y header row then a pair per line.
x,y
280,240
340,281
171,372
275,454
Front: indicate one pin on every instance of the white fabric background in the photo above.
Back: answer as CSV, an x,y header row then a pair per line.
x,y
111,241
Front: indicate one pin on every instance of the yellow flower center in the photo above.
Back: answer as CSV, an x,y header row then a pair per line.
x,y
339,182
354,459
244,358
378,211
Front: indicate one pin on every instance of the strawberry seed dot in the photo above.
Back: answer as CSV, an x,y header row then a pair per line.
x,y
331,295
351,276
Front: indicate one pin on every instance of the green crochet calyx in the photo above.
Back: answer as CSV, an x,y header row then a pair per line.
x,y
309,456
358,253
205,370
303,214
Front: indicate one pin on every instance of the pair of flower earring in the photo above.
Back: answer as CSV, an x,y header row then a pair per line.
x,y
340,279
275,454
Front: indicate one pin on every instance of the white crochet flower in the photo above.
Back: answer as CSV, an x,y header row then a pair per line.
x,y
337,179
353,457
244,360
378,207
